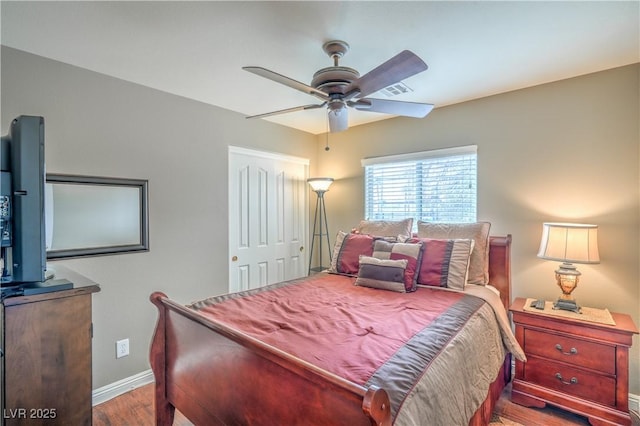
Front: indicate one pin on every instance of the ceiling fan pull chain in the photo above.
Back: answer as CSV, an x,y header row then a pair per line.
x,y
326,147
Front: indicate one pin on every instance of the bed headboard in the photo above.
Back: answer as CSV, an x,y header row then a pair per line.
x,y
500,266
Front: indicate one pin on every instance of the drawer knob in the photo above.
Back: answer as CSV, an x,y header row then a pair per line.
x,y
572,351
573,380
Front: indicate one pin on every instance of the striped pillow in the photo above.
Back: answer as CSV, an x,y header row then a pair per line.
x,y
384,274
411,252
478,232
347,250
445,263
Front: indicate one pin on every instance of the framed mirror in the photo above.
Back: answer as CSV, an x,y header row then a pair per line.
x,y
93,216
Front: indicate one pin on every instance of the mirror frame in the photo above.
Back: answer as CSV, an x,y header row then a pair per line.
x,y
142,185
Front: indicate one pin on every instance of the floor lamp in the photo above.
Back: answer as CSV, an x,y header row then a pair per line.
x,y
319,186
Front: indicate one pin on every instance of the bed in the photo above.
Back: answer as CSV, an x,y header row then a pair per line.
x,y
216,371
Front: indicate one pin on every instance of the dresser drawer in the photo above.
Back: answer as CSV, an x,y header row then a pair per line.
x,y
570,350
574,381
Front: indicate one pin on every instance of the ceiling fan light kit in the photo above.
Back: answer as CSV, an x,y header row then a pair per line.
x,y
340,87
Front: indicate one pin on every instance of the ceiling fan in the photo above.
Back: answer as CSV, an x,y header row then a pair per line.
x,y
340,87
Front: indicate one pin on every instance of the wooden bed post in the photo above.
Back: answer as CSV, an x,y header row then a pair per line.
x,y
377,407
164,410
500,267
500,277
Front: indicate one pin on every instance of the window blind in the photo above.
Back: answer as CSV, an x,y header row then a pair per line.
x,y
433,186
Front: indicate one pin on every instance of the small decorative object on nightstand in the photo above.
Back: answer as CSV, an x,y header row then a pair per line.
x,y
569,243
578,365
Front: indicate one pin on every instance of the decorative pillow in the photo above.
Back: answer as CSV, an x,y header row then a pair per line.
x,y
385,274
445,263
478,232
347,250
386,228
395,251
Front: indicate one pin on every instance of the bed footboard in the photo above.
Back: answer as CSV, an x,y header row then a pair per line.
x,y
216,375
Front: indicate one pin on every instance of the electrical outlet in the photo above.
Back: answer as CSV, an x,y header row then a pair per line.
x,y
122,348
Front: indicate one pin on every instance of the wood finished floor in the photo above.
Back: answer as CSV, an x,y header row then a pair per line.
x,y
136,408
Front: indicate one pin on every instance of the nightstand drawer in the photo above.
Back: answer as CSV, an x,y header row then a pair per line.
x,y
570,350
574,381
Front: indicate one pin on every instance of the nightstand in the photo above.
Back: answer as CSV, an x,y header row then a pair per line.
x,y
577,365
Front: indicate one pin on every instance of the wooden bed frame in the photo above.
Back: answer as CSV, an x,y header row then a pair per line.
x,y
217,375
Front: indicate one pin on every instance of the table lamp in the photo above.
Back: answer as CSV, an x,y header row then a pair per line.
x,y
569,243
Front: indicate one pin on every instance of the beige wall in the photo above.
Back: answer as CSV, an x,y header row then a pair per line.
x,y
565,151
101,126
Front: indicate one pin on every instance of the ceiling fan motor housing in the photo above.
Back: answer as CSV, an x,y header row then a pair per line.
x,y
334,79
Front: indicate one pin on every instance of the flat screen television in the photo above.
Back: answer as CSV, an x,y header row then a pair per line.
x,y
23,202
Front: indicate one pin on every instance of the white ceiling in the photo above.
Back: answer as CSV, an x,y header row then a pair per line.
x,y
197,49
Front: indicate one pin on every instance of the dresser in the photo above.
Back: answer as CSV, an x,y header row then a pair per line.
x,y
577,365
46,345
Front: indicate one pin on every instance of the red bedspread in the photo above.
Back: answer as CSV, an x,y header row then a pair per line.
x,y
348,330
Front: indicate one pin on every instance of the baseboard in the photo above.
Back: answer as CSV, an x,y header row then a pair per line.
x,y
125,385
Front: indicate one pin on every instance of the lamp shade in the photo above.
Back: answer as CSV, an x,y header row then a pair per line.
x,y
321,184
569,242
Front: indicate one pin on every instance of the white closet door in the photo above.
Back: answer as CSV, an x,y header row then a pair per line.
x,y
268,218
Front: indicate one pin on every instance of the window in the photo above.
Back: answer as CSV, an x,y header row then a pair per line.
x,y
432,186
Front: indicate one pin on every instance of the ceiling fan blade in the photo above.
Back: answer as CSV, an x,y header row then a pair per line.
x,y
289,82
338,120
404,65
407,109
284,111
